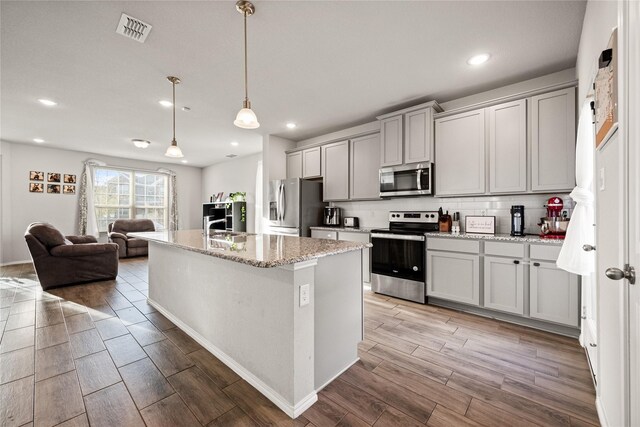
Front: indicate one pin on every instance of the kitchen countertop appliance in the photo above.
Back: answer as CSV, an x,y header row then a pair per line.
x,y
398,255
351,222
517,220
332,216
294,205
555,224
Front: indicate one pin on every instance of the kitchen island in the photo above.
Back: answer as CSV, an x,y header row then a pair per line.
x,y
283,312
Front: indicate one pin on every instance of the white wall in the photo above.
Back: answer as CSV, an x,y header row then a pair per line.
x,y
600,18
20,207
232,176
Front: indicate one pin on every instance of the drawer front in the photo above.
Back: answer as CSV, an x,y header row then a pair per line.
x,y
351,236
514,250
454,245
545,252
323,234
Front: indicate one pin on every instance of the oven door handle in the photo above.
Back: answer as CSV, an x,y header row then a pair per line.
x,y
397,237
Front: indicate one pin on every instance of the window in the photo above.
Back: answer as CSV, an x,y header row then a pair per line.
x,y
124,194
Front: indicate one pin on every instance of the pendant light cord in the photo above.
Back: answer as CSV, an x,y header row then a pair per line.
x,y
246,81
174,111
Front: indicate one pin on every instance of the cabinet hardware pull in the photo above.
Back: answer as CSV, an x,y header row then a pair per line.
x,y
593,344
515,261
583,317
536,264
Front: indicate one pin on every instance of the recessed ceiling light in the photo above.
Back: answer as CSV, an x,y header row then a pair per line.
x,y
184,161
47,102
166,103
235,143
291,125
38,140
478,59
141,143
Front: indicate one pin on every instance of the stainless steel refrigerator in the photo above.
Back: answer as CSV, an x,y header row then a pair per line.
x,y
294,206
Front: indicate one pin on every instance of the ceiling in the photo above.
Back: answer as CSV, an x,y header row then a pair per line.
x,y
324,65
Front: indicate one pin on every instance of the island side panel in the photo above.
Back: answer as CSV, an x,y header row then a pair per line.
x,y
245,314
338,314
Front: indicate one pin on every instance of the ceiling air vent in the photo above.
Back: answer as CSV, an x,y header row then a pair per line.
x,y
231,156
133,28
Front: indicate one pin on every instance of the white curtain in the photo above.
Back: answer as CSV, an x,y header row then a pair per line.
x,y
580,232
88,221
173,199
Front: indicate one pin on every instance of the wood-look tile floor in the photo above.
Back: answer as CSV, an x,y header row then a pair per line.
x,y
98,354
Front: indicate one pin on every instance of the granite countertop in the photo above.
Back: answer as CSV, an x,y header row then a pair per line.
x,y
337,228
529,238
258,250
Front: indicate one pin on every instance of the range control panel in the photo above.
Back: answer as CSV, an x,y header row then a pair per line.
x,y
414,216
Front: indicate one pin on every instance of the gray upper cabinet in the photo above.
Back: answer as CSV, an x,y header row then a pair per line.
x,y
335,171
311,163
365,164
294,165
418,133
391,141
553,140
460,153
508,147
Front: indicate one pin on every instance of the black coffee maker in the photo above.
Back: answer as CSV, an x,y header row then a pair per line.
x,y
517,220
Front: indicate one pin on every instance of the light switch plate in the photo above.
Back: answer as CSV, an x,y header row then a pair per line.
x,y
304,295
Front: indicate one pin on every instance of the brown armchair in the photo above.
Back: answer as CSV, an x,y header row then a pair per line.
x,y
130,246
61,261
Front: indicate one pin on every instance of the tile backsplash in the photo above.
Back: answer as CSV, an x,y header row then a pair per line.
x,y
375,213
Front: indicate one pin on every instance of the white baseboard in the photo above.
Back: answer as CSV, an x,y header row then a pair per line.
x,y
601,415
5,264
291,410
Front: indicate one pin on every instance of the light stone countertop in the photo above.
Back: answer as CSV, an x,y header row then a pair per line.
x,y
345,229
258,250
532,238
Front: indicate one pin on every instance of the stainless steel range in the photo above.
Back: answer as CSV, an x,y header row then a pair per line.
x,y
398,255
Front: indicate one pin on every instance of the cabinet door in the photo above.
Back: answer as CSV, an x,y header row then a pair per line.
x,y
294,165
553,140
324,234
453,276
311,163
365,166
460,154
418,136
508,147
366,253
391,141
504,284
335,171
553,294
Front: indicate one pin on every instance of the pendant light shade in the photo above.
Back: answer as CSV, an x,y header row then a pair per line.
x,y
173,150
246,118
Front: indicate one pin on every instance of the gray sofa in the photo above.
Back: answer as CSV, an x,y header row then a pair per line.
x,y
130,246
61,261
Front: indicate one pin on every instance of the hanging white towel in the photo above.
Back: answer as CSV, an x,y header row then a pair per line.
x,y
580,232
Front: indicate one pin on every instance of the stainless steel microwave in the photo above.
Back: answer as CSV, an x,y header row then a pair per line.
x,y
410,180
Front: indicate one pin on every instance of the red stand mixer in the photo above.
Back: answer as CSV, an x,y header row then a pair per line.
x,y
554,225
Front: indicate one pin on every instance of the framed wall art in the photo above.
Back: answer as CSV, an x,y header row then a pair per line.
x,y
53,188
36,176
68,189
480,224
53,177
606,91
69,179
36,187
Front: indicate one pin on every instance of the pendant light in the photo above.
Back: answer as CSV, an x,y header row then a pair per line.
x,y
246,118
174,150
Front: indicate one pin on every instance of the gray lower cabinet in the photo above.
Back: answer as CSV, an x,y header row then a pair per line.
x,y
553,140
554,294
365,166
294,165
335,171
460,154
453,276
504,284
366,253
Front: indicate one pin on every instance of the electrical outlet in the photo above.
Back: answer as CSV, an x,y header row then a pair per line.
x,y
304,295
